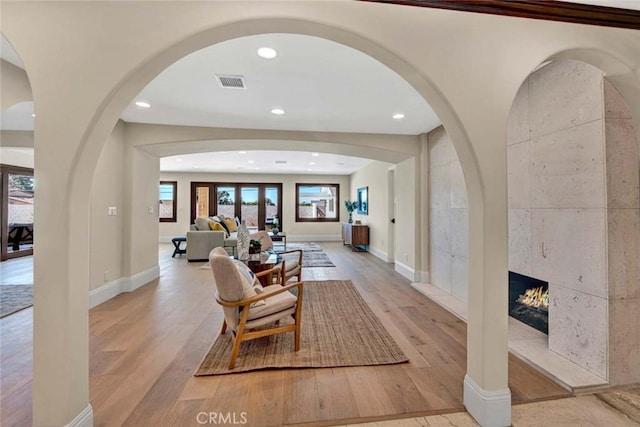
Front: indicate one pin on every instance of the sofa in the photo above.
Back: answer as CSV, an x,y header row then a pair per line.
x,y
201,239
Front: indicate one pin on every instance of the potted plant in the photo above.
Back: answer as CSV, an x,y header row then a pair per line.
x,y
351,206
255,246
275,226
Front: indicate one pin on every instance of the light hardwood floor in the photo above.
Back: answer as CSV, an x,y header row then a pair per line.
x,y
145,346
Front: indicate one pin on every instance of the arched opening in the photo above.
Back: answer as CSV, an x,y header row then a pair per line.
x,y
573,206
95,134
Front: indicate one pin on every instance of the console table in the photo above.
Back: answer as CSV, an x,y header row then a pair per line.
x,y
356,236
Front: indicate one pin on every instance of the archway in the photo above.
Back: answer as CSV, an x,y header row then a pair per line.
x,y
72,272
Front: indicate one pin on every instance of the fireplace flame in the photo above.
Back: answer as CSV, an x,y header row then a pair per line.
x,y
536,298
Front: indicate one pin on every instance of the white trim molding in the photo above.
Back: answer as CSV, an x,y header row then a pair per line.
x,y
410,273
380,254
489,408
123,284
83,419
142,278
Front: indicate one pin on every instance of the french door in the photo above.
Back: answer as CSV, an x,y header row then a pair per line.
x,y
256,204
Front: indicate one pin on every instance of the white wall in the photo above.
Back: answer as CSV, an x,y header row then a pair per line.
x,y
295,231
22,157
448,216
406,203
142,176
107,231
374,176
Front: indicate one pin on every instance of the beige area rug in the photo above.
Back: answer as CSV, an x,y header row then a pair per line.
x,y
14,298
338,329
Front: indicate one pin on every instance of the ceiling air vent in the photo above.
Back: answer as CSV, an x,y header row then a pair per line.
x,y
233,82
280,162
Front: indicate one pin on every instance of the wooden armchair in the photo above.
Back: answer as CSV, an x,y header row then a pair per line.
x,y
290,267
245,309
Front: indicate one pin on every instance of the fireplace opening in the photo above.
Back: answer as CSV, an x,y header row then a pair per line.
x,y
529,301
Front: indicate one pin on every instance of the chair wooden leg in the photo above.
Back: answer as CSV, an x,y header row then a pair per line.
x,y
224,327
298,319
236,349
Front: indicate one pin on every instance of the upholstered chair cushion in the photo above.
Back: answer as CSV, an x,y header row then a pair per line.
x,y
273,304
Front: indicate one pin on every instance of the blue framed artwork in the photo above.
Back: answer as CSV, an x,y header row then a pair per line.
x,y
363,201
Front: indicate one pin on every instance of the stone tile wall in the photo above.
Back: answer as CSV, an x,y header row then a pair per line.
x,y
557,204
448,220
623,239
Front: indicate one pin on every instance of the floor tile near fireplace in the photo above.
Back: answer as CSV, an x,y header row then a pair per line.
x,y
525,342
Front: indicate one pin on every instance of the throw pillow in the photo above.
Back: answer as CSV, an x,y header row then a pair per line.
x,y
226,227
202,224
250,284
216,226
231,225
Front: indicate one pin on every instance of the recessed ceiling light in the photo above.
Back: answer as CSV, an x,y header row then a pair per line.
x,y
315,154
252,161
143,104
196,167
398,116
277,111
178,160
309,170
340,164
242,152
33,114
312,163
267,53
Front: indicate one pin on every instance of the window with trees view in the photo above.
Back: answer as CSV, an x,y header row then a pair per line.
x,y
257,204
18,187
317,202
168,201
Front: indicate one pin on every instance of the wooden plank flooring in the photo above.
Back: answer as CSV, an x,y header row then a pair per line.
x,y
145,346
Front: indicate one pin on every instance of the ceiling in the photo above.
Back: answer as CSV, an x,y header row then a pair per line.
x,y
320,85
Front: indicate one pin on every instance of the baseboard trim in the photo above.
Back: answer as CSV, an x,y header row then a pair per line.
x,y
422,277
83,419
405,271
380,254
314,238
106,292
143,278
489,408
124,284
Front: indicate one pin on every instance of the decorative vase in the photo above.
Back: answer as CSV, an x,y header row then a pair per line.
x,y
350,217
243,242
275,230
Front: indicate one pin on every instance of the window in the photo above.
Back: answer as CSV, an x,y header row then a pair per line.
x,y
168,201
16,214
257,204
317,202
